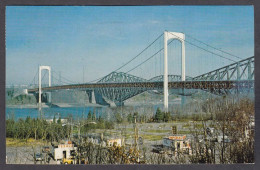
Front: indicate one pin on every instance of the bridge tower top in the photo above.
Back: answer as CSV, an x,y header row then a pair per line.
x,y
174,35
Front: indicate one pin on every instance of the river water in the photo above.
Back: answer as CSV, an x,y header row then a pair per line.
x,y
49,113
81,112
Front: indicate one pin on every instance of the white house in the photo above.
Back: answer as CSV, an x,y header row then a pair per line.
x,y
64,151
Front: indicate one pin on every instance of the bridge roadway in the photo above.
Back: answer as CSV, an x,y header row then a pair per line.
x,y
203,85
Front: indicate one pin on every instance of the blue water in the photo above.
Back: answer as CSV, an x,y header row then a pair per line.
x,y
49,113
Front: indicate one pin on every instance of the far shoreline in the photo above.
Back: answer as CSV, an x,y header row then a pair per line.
x,y
62,105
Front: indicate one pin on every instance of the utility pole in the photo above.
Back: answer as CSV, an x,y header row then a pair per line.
x,y
136,147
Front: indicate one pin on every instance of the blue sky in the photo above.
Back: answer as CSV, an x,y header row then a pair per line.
x,y
103,38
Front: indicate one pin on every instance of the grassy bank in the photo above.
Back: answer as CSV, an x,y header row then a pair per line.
x,y
10,142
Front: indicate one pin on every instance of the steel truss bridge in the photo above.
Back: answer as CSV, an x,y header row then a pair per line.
x,y
118,86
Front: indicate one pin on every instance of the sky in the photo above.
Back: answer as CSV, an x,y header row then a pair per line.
x,y
97,40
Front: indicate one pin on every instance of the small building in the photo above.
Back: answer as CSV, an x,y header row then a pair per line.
x,y
66,151
116,142
177,143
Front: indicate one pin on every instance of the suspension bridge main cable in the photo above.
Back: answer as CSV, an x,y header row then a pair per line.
x,y
214,47
202,48
149,57
139,53
144,61
185,41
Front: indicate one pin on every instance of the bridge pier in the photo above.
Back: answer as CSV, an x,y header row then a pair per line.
x,y
48,97
96,98
91,96
183,98
45,97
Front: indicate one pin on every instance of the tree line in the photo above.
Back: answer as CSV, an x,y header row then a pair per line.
x,y
36,128
55,130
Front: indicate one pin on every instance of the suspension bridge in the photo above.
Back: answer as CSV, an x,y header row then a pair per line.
x,y
212,70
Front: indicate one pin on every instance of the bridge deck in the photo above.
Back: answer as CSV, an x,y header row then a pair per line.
x,y
156,85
